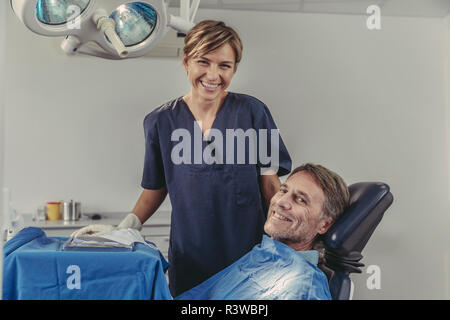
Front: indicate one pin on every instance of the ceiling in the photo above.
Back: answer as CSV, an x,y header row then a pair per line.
x,y
406,8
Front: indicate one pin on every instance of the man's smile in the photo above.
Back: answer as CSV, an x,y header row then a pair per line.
x,y
279,216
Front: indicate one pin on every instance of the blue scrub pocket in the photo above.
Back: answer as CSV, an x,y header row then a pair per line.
x,y
246,186
206,169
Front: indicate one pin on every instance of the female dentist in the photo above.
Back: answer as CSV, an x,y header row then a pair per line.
x,y
218,200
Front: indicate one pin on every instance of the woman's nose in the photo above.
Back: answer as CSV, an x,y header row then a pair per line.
x,y
212,73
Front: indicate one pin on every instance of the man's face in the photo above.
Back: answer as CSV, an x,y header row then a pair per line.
x,y
295,213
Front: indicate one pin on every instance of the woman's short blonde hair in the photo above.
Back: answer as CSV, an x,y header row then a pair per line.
x,y
209,35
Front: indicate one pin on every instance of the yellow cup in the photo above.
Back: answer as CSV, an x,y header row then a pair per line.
x,y
53,211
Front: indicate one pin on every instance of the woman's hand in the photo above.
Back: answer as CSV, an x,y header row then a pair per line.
x,y
93,229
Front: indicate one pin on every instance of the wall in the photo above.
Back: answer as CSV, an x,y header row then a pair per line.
x,y
446,41
370,105
3,6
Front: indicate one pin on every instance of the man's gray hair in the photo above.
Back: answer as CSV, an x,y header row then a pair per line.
x,y
336,192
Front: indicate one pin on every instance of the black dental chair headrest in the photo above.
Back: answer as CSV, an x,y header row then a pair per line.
x,y
349,235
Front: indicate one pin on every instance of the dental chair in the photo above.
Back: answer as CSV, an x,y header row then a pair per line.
x,y
349,235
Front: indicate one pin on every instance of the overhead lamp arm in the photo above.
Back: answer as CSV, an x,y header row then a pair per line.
x,y
185,21
194,8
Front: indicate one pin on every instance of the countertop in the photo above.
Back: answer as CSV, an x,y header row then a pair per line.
x,y
159,218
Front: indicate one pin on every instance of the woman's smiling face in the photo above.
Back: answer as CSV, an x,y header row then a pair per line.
x,y
211,74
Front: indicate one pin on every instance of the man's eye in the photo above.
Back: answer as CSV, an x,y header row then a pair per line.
x,y
202,62
283,190
301,200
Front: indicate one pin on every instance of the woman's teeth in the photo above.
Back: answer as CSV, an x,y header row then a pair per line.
x,y
208,85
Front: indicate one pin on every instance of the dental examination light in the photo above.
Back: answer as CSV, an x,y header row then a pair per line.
x,y
130,31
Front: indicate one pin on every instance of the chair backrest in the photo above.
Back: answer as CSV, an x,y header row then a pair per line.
x,y
349,235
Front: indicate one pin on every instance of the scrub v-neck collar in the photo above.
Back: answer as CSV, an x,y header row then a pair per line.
x,y
213,125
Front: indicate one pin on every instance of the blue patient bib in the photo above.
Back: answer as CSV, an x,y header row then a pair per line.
x,y
270,271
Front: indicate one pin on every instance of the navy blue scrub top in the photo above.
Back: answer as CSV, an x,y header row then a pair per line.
x,y
218,212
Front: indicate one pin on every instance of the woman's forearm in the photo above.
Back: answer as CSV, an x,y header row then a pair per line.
x,y
148,202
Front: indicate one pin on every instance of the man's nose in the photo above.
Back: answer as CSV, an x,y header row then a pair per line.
x,y
283,202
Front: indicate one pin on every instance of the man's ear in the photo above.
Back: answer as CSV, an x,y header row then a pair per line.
x,y
324,225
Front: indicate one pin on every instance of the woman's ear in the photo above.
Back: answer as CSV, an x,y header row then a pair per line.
x,y
185,61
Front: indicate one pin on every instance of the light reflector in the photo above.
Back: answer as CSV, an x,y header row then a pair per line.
x,y
135,22
54,12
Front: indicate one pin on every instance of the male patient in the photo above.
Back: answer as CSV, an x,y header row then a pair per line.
x,y
284,266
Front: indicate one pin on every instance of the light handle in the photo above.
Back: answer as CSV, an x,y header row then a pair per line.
x,y
107,26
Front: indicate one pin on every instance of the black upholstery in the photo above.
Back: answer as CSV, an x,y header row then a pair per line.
x,y
349,235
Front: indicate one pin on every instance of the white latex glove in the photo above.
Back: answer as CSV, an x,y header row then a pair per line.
x,y
130,221
93,229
